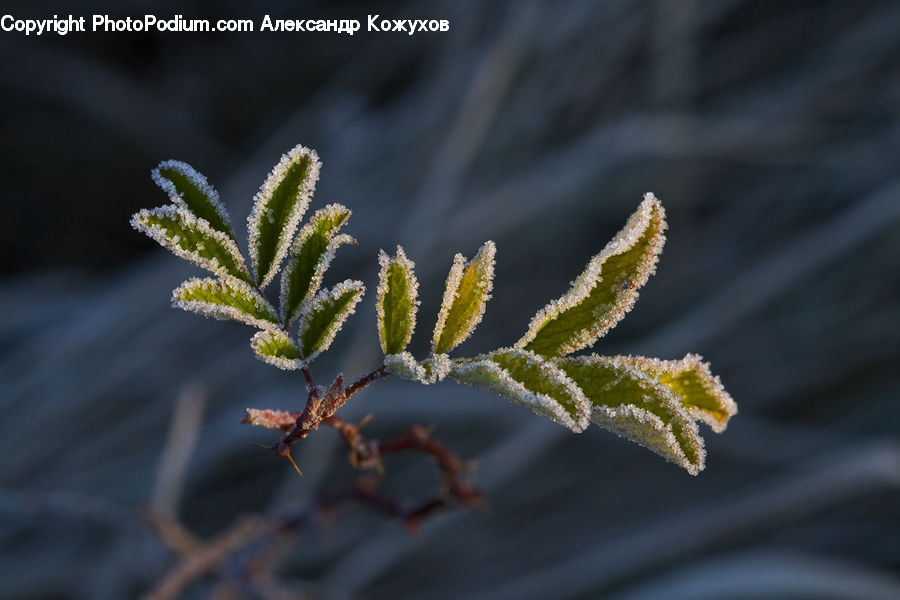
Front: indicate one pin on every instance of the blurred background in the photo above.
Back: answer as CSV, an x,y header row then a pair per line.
x,y
771,132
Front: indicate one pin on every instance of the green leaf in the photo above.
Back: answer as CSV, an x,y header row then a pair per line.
x,y
690,379
311,255
396,303
605,290
404,365
465,297
177,229
234,300
189,189
277,209
273,346
637,407
326,315
526,378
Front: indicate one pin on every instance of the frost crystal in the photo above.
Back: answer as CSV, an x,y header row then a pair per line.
x,y
193,239
189,189
465,297
605,290
274,347
271,419
396,301
278,208
690,379
234,300
404,365
326,315
524,377
310,256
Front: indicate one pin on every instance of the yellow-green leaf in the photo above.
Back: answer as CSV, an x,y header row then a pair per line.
x,y
188,188
691,380
278,208
234,300
177,229
605,290
326,315
526,378
310,256
636,406
465,297
273,346
396,303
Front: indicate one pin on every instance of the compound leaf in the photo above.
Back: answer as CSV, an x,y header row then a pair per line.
x,y
465,297
690,379
326,315
273,346
192,239
396,303
311,255
525,377
234,300
605,290
189,189
277,209
636,406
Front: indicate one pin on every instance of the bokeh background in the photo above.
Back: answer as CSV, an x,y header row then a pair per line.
x,y
769,129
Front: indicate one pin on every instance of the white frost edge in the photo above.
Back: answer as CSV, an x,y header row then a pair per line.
x,y
622,419
486,258
324,261
323,296
510,388
264,195
581,288
159,234
287,364
198,179
222,311
404,365
674,368
412,285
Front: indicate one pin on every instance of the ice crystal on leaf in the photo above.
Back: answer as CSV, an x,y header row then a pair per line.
x,y
396,301
605,290
278,208
656,403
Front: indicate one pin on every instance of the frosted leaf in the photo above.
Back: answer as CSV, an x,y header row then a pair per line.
x,y
234,300
271,419
278,208
404,365
396,302
636,406
605,290
526,378
192,239
326,315
189,189
311,255
273,346
691,380
468,289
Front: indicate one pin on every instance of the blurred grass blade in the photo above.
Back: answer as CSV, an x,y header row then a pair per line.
x,y
326,315
218,299
605,290
634,405
691,380
177,229
396,301
273,346
311,255
465,297
189,189
278,208
526,378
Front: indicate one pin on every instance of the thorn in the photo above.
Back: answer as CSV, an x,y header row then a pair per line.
x,y
290,458
263,446
365,421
